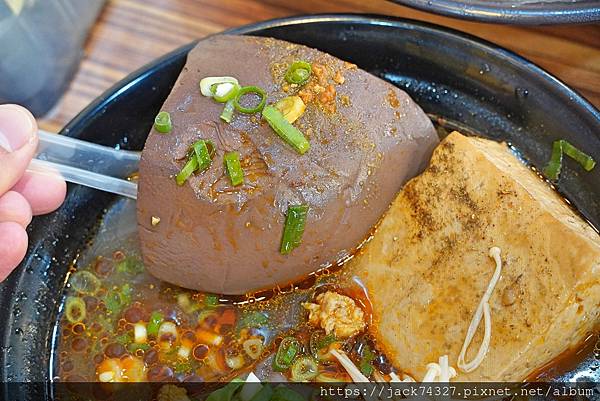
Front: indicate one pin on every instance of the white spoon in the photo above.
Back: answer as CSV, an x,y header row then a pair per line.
x,y
88,164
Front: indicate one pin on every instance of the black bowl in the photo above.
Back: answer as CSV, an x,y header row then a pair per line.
x,y
450,74
530,12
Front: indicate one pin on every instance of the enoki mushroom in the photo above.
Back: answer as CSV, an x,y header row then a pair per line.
x,y
482,309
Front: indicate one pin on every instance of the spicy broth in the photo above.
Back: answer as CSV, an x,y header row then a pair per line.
x,y
206,338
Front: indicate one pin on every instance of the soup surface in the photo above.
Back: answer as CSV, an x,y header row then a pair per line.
x,y
133,327
118,323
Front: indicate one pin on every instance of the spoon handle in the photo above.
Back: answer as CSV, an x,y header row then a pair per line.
x,y
88,164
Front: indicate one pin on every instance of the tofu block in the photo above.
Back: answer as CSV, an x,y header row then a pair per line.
x,y
428,265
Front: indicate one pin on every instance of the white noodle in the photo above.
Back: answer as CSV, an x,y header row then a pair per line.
x,y
482,309
433,371
353,371
444,369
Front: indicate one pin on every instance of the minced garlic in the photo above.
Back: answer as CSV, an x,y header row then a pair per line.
x,y
337,314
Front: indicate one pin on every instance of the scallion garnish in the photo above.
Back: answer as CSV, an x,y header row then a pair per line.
x,y
304,369
560,147
286,353
75,309
290,134
234,168
583,159
225,91
199,158
246,90
156,318
227,114
295,220
203,153
162,122
298,73
187,171
207,83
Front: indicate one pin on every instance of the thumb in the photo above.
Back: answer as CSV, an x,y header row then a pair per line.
x,y
18,143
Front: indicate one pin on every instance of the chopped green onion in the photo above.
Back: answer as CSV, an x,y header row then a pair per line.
x,y
234,168
75,309
304,369
85,282
560,147
162,122
253,319
552,170
295,221
206,84
246,90
130,265
116,300
287,351
211,300
319,341
134,347
125,339
183,367
298,73
366,361
286,131
227,114
203,153
199,158
187,171
156,318
586,161
225,91
253,347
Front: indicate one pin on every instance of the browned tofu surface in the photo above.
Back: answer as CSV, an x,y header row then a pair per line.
x,y
428,265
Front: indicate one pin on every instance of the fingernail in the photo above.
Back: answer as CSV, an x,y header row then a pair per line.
x,y
17,127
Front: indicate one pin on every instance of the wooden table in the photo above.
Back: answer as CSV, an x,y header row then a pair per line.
x,y
131,33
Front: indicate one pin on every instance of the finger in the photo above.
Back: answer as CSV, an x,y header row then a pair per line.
x,y
18,143
13,246
14,207
44,192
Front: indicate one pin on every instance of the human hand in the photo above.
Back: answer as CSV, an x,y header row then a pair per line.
x,y
22,194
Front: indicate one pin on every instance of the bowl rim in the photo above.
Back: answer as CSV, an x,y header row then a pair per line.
x,y
356,18
529,13
583,107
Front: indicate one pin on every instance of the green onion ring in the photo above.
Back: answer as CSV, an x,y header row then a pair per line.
x,y
228,96
298,73
304,369
162,122
287,351
75,309
246,90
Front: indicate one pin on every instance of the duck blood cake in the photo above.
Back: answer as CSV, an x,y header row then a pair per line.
x,y
479,234
367,138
